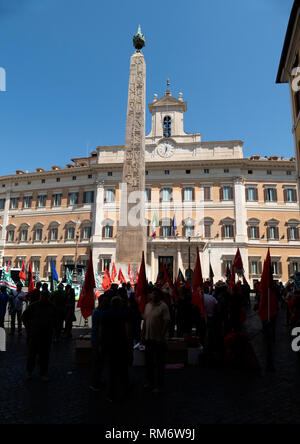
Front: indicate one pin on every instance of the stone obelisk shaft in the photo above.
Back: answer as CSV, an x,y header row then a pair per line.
x,y
131,238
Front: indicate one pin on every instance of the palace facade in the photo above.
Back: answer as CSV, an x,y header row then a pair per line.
x,y
221,202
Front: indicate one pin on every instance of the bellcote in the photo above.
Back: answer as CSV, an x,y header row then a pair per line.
x,y
167,115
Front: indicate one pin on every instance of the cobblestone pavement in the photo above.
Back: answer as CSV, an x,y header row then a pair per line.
x,y
204,395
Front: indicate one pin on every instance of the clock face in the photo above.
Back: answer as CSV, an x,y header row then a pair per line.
x,y
166,150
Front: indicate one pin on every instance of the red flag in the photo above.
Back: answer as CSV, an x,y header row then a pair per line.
x,y
137,276
113,273
197,298
142,287
238,263
131,279
121,277
166,282
87,299
30,279
8,266
22,274
268,305
106,283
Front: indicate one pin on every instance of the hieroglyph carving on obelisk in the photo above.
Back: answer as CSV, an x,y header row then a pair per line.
x,y
131,238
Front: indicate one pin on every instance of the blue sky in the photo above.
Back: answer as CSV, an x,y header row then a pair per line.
x,y
67,64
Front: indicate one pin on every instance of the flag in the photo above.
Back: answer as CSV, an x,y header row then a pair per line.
x,y
155,224
238,263
114,273
131,279
268,305
106,283
54,276
180,280
22,274
136,276
69,277
142,287
197,298
87,299
7,281
166,282
31,286
121,277
174,226
37,277
8,266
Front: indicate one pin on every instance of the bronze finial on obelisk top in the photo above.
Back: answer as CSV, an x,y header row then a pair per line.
x,y
139,40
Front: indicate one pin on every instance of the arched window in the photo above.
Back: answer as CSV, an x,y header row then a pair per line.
x,y
167,126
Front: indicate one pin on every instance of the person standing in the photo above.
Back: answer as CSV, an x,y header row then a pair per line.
x,y
3,305
155,327
35,295
115,341
70,311
59,300
16,302
39,320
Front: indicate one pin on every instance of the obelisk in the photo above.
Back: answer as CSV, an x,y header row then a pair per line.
x,y
131,237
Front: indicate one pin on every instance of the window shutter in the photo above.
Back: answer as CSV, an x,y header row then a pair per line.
x,y
223,268
275,195
207,193
279,269
84,197
171,195
260,267
207,231
249,232
266,195
103,232
221,193
193,194
277,233
92,196
161,195
233,231
297,234
268,233
295,195
223,231
231,193
290,268
256,194
247,194
285,194
289,234
257,233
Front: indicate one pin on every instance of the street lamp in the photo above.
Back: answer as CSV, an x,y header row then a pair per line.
x,y
189,272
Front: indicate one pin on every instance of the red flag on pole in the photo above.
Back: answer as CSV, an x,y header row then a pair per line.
x,y
142,287
238,263
113,273
30,279
167,283
231,283
121,277
197,298
8,266
268,305
137,276
87,298
22,274
106,283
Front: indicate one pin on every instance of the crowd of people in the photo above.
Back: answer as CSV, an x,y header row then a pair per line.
x,y
118,326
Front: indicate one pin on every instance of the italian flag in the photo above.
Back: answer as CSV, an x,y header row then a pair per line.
x,y
155,223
